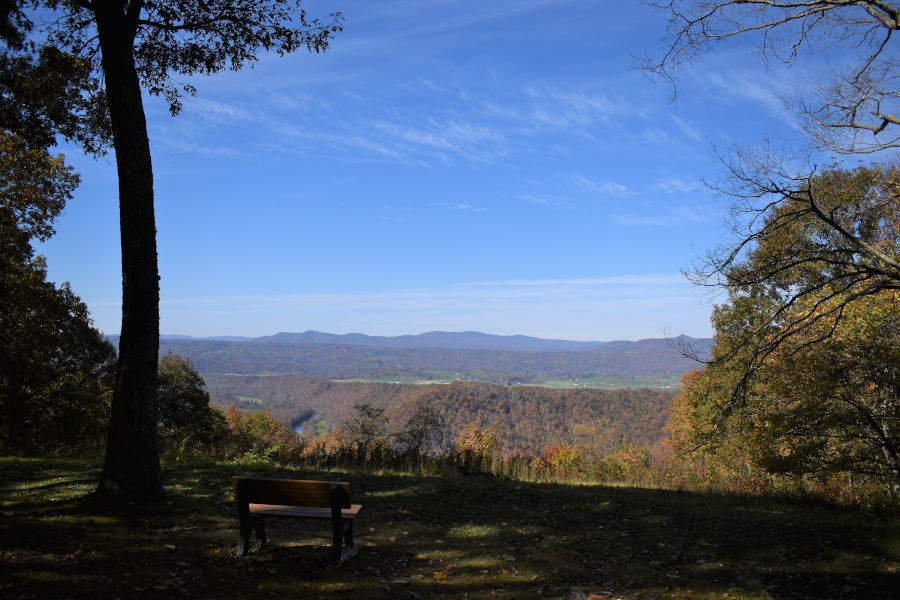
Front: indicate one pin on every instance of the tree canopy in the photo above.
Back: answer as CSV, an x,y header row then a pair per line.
x,y
813,248
168,39
56,369
34,186
803,374
44,94
824,409
187,421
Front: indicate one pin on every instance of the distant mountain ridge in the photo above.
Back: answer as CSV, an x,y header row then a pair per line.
x,y
444,357
464,340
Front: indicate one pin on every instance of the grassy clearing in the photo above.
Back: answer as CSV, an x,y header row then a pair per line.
x,y
442,537
666,382
610,383
249,401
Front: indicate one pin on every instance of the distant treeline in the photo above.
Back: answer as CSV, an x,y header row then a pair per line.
x,y
525,418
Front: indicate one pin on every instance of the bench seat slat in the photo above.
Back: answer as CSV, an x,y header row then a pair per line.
x,y
304,512
293,492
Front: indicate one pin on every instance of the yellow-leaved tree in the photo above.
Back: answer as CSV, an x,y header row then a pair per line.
x,y
804,377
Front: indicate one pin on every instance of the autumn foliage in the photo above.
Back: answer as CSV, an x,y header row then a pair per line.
x,y
802,390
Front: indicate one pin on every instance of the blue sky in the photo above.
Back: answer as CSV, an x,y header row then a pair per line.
x,y
495,166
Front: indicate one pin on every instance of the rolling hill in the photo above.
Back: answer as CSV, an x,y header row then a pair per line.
x,y
445,357
614,393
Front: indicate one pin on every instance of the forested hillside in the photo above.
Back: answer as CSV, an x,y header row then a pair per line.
x,y
604,395
524,417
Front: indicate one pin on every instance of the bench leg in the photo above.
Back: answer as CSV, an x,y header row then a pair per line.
x,y
259,524
244,537
350,548
342,547
348,533
336,535
247,525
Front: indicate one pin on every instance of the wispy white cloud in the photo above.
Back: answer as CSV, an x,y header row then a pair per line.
x,y
694,213
667,217
445,138
767,88
548,201
656,135
676,186
618,280
572,110
468,207
218,111
646,220
177,142
444,18
494,109
687,128
481,119
365,144
415,141
604,188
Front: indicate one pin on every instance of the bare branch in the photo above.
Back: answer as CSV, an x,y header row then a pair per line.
x,y
862,99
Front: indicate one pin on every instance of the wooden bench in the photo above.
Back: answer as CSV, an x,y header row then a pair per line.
x,y
259,498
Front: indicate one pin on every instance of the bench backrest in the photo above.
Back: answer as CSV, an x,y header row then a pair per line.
x,y
291,492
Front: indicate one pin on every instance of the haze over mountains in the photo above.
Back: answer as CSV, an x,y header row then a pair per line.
x,y
466,340
444,356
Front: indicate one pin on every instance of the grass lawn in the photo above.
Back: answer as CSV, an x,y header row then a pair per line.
x,y
420,538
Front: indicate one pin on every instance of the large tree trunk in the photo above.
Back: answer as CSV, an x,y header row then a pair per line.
x,y
131,467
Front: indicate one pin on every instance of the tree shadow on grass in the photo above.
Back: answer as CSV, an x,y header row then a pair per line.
x,y
452,537
483,536
39,484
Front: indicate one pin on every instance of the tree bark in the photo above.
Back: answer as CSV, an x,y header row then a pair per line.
x,y
131,467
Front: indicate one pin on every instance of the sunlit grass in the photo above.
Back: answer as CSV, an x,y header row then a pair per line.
x,y
474,531
453,537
